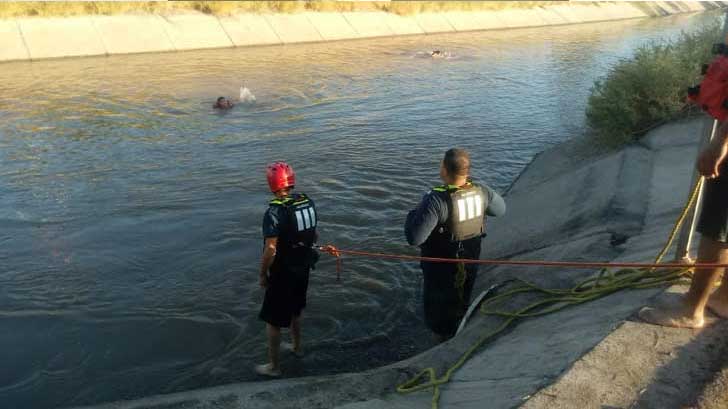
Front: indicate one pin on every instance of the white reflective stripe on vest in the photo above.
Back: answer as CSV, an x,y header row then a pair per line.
x,y
306,219
299,219
312,214
471,207
461,210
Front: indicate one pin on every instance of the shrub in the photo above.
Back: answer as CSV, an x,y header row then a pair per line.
x,y
650,88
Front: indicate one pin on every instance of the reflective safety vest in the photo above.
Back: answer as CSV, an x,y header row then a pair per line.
x,y
298,232
460,235
466,211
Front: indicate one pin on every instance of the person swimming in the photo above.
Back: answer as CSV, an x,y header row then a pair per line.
x,y
437,54
223,103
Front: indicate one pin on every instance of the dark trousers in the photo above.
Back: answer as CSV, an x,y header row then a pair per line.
x,y
444,305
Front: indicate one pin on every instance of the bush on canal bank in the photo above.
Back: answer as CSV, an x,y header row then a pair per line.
x,y
651,87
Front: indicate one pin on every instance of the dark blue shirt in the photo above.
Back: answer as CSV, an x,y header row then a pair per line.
x,y
273,219
433,211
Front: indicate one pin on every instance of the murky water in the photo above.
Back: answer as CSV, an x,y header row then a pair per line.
x,y
130,212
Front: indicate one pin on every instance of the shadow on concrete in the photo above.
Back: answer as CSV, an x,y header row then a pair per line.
x,y
681,382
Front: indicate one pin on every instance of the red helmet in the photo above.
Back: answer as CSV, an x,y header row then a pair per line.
x,y
280,176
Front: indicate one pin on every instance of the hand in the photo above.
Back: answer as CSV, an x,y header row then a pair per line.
x,y
331,250
264,280
711,158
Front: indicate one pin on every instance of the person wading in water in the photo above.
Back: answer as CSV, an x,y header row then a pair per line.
x,y
289,231
449,222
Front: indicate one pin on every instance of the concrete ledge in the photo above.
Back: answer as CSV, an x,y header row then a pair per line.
x,y
194,31
693,6
369,24
132,34
550,16
294,28
518,18
669,6
564,16
12,46
249,29
403,25
36,38
627,10
333,26
433,23
622,10
470,21
579,13
61,37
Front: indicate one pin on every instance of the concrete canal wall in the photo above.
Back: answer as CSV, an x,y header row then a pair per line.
x,y
34,38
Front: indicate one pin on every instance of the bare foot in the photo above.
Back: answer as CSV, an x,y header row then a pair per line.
x,y
675,316
718,306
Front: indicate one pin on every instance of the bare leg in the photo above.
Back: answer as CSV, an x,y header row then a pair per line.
x,y
274,344
296,334
690,311
710,251
718,302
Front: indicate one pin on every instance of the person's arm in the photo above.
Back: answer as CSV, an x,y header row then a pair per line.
x,y
422,221
712,157
270,233
496,204
269,255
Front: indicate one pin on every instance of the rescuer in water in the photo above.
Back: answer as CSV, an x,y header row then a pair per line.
x,y
289,231
449,222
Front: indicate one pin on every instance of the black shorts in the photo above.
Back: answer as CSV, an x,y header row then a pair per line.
x,y
713,221
285,297
444,307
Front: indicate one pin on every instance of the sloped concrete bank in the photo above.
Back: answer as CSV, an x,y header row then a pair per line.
x,y
614,206
36,38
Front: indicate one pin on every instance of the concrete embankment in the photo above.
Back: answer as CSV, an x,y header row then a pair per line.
x,y
616,206
34,38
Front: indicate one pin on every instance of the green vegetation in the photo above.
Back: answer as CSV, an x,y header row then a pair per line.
x,y
72,8
651,87
414,7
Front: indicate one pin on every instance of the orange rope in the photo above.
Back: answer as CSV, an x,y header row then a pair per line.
x,y
329,249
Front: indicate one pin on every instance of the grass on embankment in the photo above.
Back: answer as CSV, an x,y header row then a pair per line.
x,y
71,8
651,87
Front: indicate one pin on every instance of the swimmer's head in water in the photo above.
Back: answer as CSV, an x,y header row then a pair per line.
x,y
223,103
436,52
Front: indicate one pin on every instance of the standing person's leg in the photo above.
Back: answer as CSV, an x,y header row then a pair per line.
x,y
689,312
274,345
296,335
704,279
298,301
718,302
716,226
472,275
437,300
275,314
